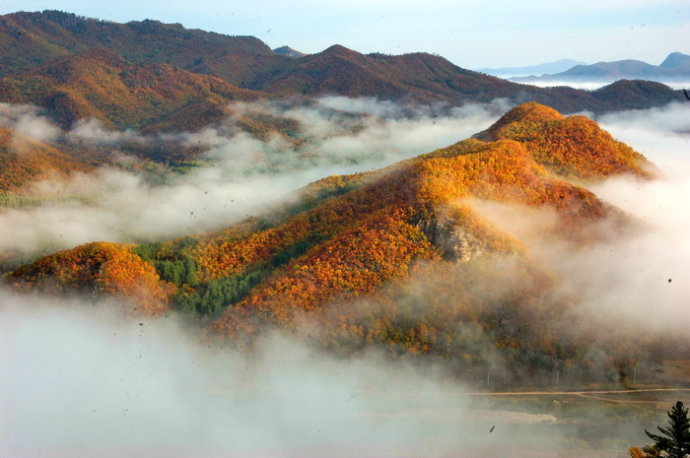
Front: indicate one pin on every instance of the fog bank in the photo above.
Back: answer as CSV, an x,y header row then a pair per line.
x,y
80,379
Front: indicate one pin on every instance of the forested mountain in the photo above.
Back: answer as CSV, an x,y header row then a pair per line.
x,y
354,251
30,39
149,74
98,84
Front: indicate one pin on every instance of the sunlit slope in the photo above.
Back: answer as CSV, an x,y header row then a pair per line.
x,y
97,268
99,84
573,147
349,237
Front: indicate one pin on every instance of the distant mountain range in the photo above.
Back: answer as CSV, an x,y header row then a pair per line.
x,y
676,67
540,69
150,75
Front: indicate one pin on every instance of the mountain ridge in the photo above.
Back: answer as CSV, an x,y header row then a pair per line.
x,y
676,66
398,258
90,83
370,228
539,69
37,42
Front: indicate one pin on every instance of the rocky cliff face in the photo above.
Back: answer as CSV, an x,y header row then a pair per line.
x,y
454,242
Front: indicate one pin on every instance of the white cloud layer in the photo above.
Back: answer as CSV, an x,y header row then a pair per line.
x,y
27,120
88,381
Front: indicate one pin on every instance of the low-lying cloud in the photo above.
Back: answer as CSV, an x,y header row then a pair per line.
x,y
593,85
238,176
29,121
80,379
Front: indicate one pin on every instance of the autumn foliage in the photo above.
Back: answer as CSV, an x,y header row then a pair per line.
x,y
349,251
97,268
573,147
23,159
163,76
99,84
379,229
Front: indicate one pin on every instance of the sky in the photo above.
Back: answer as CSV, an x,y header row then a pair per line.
x,y
494,33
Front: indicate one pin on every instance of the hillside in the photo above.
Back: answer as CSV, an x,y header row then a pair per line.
x,y
349,253
99,84
30,39
24,159
163,76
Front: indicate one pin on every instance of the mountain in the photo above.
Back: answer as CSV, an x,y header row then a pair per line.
x,y
288,51
419,76
30,39
99,84
103,269
540,69
155,76
678,62
398,257
676,67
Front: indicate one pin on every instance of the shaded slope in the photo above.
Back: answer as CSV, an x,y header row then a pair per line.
x,y
425,78
30,39
634,95
416,77
244,68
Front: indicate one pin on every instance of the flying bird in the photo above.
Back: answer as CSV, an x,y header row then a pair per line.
x,y
352,397
492,429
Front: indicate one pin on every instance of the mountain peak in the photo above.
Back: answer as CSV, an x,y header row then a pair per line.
x,y
529,112
573,147
289,52
338,49
676,60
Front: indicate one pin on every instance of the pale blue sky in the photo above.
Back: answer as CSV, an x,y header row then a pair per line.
x,y
476,34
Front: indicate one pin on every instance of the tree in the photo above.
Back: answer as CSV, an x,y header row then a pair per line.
x,y
674,439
